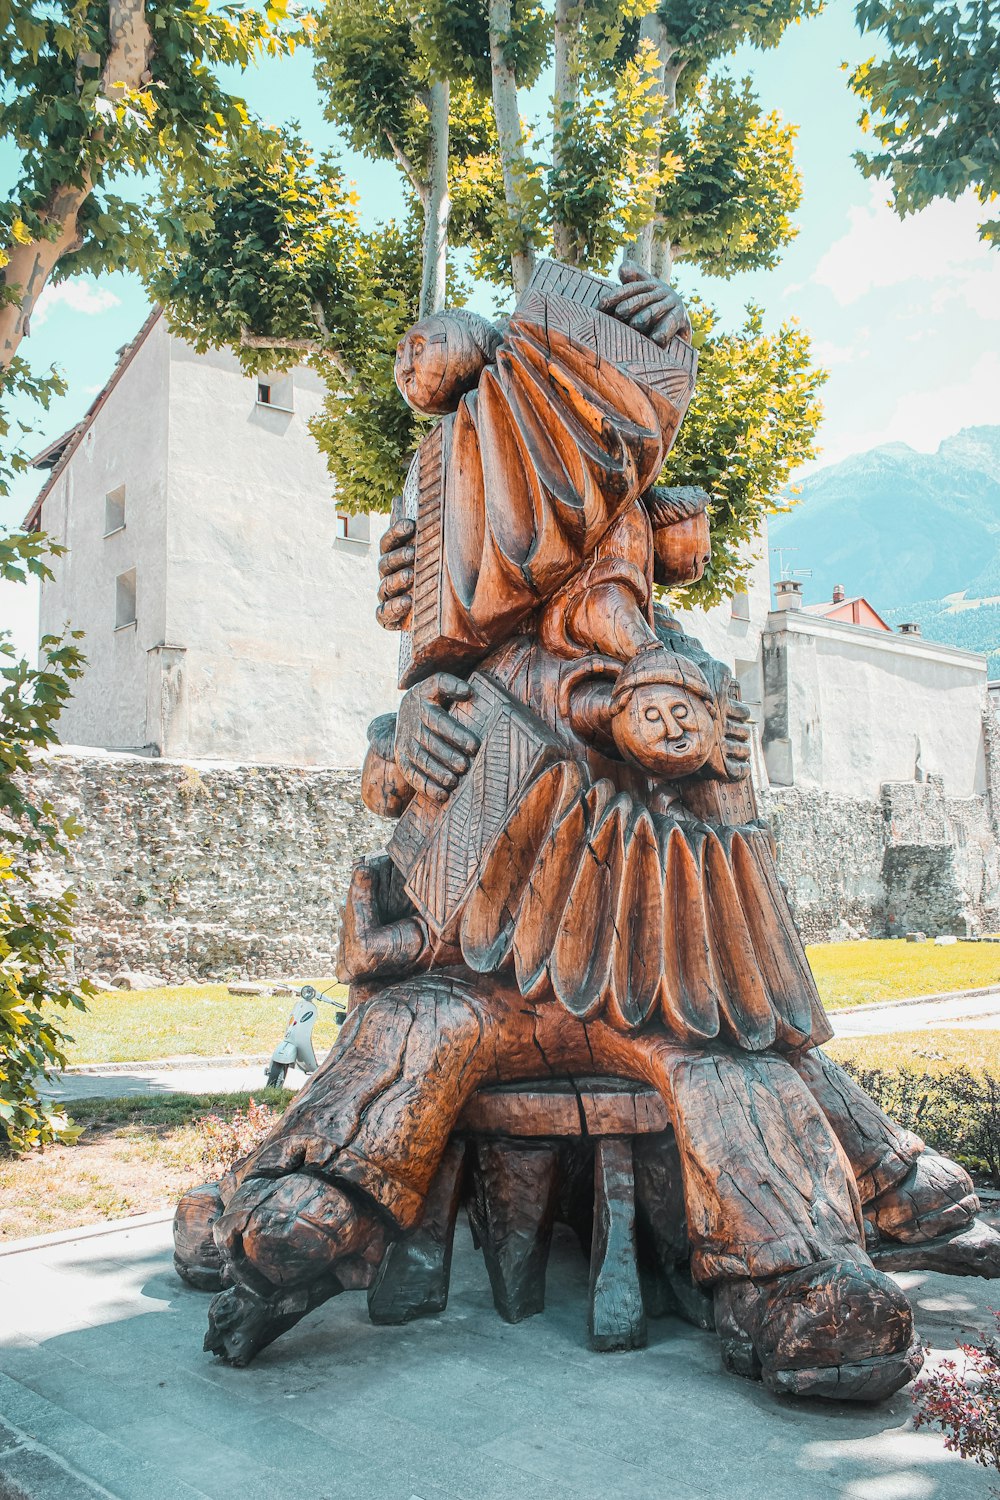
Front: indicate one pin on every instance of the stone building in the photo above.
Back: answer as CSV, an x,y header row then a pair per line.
x,y
227,607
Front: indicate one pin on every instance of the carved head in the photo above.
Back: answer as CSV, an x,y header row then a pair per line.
x,y
663,714
441,359
682,543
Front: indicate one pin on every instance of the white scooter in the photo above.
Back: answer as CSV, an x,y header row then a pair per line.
x,y
295,1050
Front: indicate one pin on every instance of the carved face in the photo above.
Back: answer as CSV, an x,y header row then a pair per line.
x,y
665,729
437,363
682,550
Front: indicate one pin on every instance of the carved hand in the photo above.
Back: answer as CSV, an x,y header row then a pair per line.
x,y
432,749
369,944
736,740
648,305
396,571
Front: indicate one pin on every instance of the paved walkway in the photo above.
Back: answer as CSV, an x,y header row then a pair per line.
x,y
977,1011
104,1392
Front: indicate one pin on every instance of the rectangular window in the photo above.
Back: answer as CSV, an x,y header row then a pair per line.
x,y
741,605
353,528
276,391
114,511
125,599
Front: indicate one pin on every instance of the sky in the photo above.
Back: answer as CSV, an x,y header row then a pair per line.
x,y
905,315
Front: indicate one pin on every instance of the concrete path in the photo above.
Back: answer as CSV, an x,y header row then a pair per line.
x,y
147,1078
978,1010
104,1392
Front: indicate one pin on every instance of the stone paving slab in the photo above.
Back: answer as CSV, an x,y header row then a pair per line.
x,y
105,1391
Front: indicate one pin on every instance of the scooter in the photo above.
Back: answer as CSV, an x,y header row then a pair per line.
x,y
295,1050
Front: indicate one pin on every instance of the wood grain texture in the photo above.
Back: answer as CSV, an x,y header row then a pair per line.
x,y
617,1318
512,1209
413,1279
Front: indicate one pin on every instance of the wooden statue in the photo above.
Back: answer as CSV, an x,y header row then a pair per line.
x,y
577,884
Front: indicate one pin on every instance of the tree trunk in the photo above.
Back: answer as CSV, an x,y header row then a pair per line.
x,y
437,204
662,106
508,122
31,265
563,98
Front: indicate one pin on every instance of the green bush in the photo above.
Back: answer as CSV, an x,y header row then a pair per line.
x,y
955,1111
35,926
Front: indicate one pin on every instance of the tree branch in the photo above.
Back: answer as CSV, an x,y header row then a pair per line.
x,y
250,340
30,266
509,134
416,181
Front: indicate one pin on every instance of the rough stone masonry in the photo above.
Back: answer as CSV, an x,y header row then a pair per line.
x,y
215,871
208,871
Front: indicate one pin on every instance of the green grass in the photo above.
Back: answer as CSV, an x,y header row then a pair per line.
x,y
208,1021
862,973
927,1051
135,1156
189,1020
168,1109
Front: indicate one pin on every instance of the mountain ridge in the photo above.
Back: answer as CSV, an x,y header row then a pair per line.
x,y
909,531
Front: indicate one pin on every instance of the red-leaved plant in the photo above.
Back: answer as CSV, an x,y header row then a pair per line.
x,y
225,1142
964,1401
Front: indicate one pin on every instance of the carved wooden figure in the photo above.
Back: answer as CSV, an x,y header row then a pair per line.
x,y
577,886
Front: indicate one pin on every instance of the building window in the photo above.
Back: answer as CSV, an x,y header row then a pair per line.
x,y
125,599
741,605
114,511
276,391
353,528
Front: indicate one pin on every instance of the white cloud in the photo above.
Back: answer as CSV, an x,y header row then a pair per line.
x,y
940,244
79,295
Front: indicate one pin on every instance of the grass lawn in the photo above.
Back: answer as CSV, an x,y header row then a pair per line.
x,y
187,1020
922,1051
208,1021
134,1157
860,973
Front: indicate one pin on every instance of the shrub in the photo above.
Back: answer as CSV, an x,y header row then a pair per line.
x,y
955,1111
965,1403
224,1142
35,926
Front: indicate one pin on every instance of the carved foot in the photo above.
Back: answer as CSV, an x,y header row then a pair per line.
x,y
241,1322
972,1251
937,1197
839,1330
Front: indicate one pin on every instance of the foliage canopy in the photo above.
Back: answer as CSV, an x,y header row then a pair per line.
x,y
650,148
932,101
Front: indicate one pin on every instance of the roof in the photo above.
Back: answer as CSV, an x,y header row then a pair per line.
x,y
57,454
832,609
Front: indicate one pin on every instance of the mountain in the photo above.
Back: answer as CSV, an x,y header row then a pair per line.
x,y
910,531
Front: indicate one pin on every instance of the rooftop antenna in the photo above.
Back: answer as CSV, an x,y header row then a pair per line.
x,y
784,571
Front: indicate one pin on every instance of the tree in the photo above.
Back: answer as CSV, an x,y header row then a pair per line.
x,y
931,101
650,149
35,927
99,100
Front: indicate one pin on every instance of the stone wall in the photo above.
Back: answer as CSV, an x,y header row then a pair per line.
x,y
207,870
212,871
915,860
